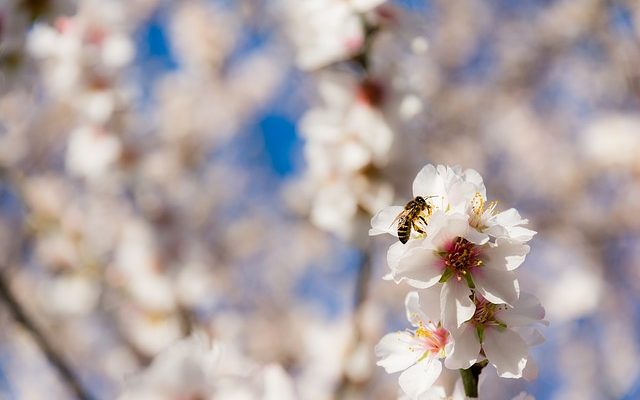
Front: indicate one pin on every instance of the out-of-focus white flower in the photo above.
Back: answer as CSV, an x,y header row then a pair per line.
x,y
613,141
497,330
416,353
194,368
184,370
347,133
91,152
202,35
326,31
345,137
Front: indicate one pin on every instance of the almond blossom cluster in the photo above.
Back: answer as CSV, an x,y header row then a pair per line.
x,y
462,254
349,134
198,368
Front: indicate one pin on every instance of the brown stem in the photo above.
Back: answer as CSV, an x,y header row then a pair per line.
x,y
56,360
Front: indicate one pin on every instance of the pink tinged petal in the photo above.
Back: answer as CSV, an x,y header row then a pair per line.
x,y
419,378
413,309
464,349
506,351
397,351
497,286
420,267
450,227
526,310
385,221
428,182
455,303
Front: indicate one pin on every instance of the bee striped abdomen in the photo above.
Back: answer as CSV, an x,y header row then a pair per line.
x,y
404,230
408,217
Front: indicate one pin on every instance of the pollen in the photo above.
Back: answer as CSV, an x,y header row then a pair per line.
x,y
461,256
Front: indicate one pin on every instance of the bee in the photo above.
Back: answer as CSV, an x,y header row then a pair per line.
x,y
416,211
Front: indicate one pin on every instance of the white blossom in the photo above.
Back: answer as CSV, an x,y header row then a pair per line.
x,y
417,353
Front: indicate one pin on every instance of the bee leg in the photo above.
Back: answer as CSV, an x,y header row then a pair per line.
x,y
418,228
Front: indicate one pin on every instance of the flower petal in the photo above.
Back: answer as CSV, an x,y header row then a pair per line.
x,y
463,350
476,237
497,286
507,253
526,310
383,221
455,303
506,351
445,228
419,378
420,267
397,351
428,182
415,315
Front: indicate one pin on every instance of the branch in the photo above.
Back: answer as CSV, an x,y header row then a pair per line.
x,y
56,360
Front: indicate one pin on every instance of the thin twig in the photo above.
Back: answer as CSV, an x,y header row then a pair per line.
x,y
56,360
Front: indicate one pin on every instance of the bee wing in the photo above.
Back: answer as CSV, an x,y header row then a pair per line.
x,y
400,218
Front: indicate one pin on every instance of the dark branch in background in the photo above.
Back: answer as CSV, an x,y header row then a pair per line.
x,y
56,360
360,295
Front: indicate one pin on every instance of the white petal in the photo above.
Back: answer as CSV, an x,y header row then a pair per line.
x,y
472,176
394,254
415,315
445,228
425,306
497,286
506,351
397,351
419,378
526,310
506,254
510,221
476,237
463,350
428,183
455,303
531,336
383,221
420,267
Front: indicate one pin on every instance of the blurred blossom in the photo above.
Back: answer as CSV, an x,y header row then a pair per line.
x,y
187,188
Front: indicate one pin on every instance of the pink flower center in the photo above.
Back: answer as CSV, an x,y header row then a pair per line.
x,y
434,337
460,256
485,312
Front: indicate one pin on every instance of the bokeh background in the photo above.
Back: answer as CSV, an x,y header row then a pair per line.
x,y
179,166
